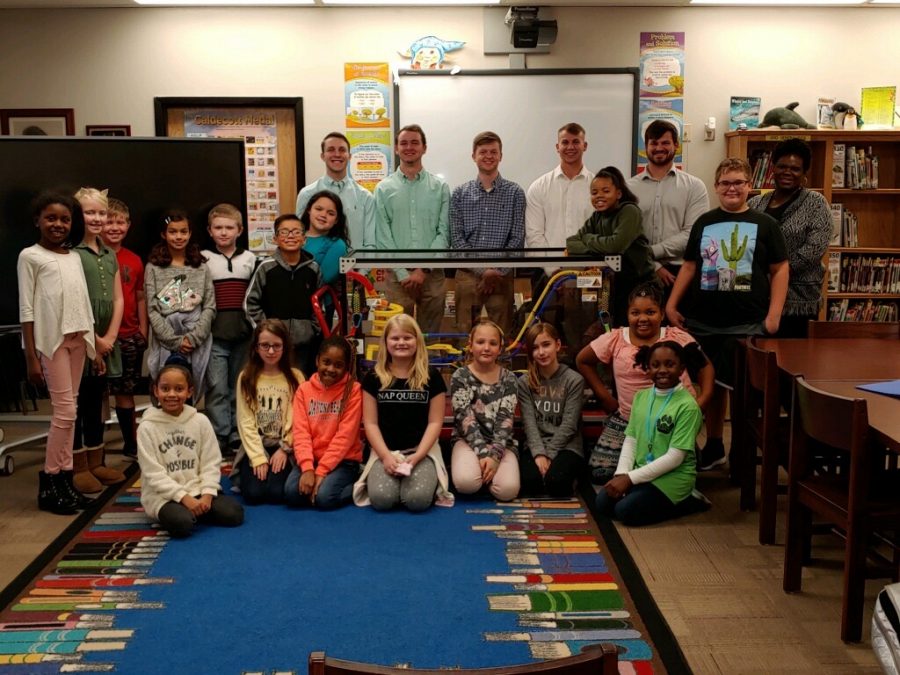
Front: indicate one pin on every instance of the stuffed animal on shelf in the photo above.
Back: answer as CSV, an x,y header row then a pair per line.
x,y
845,117
786,118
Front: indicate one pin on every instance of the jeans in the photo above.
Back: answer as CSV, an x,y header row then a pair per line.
x,y
226,359
645,504
335,491
268,491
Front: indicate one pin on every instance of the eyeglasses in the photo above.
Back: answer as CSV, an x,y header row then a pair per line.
x,y
268,347
728,184
289,234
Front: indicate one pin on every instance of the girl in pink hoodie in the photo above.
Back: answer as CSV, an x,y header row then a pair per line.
x,y
327,446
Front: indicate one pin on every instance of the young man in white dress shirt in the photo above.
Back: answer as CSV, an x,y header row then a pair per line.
x,y
557,205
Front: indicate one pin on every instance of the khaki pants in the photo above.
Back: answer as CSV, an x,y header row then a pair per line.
x,y
427,307
469,301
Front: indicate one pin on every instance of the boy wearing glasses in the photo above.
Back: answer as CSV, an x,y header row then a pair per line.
x,y
282,288
733,284
231,268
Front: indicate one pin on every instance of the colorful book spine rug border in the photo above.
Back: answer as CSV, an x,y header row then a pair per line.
x,y
560,584
72,611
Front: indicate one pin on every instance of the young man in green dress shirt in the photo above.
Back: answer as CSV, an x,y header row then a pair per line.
x,y
413,211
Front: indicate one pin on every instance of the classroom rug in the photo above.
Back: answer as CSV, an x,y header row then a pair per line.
x,y
477,585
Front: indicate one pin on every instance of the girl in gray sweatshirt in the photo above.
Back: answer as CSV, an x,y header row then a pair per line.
x,y
551,396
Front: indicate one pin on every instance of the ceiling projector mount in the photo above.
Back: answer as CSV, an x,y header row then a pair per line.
x,y
527,30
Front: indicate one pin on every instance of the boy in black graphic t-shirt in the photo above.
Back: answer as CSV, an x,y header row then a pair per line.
x,y
733,284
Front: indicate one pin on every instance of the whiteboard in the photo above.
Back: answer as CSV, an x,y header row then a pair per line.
x,y
526,108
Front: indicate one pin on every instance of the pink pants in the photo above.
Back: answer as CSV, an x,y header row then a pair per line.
x,y
467,473
62,373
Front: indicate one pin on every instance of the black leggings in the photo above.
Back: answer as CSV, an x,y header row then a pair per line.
x,y
89,422
179,522
558,482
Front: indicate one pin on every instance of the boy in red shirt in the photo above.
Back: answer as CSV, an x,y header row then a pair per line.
x,y
133,329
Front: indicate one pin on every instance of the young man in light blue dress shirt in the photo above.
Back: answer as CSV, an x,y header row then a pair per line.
x,y
358,203
413,208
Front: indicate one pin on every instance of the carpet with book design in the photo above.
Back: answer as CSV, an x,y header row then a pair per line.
x,y
477,585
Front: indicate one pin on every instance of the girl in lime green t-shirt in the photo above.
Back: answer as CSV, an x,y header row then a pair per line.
x,y
654,480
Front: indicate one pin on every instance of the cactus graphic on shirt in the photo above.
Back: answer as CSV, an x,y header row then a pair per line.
x,y
734,255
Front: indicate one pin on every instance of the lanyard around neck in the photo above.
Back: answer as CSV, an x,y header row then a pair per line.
x,y
651,426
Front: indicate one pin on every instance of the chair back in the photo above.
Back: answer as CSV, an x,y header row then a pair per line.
x,y
762,370
855,329
600,659
836,421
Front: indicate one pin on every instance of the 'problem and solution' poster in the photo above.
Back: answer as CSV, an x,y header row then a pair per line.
x,y
662,86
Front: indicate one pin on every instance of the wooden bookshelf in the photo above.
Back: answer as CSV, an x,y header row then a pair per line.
x,y
878,210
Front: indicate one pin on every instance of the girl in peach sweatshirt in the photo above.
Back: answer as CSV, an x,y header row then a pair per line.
x,y
327,446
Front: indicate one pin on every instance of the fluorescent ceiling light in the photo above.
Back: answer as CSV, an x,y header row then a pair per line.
x,y
411,3
780,3
213,3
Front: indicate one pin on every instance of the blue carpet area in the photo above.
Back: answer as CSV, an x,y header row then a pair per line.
x,y
478,585
383,588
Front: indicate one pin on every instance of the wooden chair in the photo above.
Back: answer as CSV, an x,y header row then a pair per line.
x,y
889,330
766,429
859,501
600,659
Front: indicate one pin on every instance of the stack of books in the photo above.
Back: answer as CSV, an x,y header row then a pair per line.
x,y
761,163
862,310
866,273
854,168
845,226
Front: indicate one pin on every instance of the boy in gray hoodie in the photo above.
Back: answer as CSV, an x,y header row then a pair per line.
x,y
282,288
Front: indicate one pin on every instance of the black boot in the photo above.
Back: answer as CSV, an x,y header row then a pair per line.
x,y
69,489
52,495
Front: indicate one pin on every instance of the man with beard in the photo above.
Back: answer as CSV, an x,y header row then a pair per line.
x,y
670,200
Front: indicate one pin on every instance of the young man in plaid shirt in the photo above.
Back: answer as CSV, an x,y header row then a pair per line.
x,y
487,212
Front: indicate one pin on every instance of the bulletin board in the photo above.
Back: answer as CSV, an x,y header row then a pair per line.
x,y
272,130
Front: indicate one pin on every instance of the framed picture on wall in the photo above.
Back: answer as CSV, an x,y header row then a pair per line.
x,y
37,122
272,131
107,130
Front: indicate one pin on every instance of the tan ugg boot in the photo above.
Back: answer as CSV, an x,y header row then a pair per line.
x,y
101,472
83,479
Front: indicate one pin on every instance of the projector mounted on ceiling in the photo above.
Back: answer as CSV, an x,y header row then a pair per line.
x,y
527,31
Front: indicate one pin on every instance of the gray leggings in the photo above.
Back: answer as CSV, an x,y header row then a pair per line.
x,y
415,492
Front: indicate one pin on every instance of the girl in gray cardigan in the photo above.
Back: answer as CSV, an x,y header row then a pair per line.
x,y
550,400
181,302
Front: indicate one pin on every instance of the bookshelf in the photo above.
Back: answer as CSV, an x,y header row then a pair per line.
x,y
866,267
